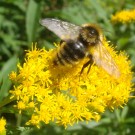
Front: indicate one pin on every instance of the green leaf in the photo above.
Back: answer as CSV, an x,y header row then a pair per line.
x,y
48,45
124,112
32,19
98,8
5,83
117,114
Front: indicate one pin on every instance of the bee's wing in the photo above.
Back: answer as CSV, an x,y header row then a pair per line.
x,y
103,59
64,30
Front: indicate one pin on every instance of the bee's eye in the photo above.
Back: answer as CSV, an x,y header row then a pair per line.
x,y
93,32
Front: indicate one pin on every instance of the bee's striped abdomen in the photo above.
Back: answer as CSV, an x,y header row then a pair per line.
x,y
70,52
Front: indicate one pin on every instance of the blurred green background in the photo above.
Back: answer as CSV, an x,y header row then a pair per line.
x,y
19,27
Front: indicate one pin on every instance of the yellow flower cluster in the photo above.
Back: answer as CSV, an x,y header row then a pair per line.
x,y
59,94
2,126
124,16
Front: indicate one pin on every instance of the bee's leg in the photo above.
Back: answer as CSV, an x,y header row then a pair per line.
x,y
90,62
61,42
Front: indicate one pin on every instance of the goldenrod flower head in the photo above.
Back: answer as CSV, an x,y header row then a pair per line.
x,y
12,75
2,126
124,16
59,94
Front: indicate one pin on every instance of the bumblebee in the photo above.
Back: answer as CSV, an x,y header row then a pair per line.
x,y
79,42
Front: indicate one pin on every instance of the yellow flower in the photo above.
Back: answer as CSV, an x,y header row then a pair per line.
x,y
59,94
12,75
124,16
2,126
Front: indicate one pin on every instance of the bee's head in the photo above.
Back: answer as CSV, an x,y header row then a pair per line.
x,y
91,34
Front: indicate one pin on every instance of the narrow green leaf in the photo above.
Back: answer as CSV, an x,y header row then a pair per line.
x,y
117,114
124,112
5,83
32,19
100,10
